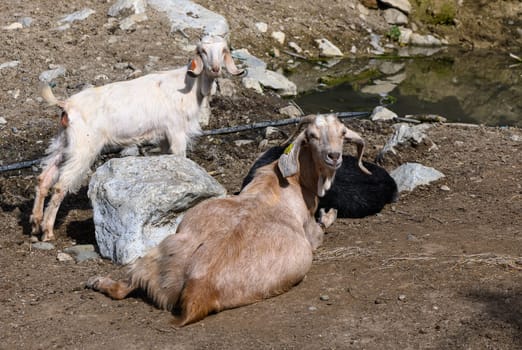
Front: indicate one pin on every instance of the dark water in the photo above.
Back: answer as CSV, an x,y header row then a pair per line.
x,y
479,88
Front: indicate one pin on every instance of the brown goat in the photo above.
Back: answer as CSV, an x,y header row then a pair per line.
x,y
235,251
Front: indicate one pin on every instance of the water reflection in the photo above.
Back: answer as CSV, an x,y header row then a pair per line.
x,y
471,87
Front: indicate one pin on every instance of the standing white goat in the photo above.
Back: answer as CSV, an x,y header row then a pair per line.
x,y
234,251
164,107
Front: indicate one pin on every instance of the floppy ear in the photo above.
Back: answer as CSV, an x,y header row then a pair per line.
x,y
289,161
195,66
230,65
354,137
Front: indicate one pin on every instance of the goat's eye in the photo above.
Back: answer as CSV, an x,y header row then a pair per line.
x,y
313,136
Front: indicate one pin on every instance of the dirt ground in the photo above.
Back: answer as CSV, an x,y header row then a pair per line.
x,y
439,269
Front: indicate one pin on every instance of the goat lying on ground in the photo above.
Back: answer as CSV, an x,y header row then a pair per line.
x,y
353,194
234,251
162,107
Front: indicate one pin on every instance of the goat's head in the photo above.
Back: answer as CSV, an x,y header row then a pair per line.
x,y
324,136
211,54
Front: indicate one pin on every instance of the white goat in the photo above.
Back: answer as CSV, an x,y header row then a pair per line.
x,y
164,107
234,251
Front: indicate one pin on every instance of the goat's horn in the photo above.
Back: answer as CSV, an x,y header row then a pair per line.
x,y
307,119
355,138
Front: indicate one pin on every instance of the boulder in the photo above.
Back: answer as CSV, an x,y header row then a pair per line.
x,y
138,201
410,175
403,5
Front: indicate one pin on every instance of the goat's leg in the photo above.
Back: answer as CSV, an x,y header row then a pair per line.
x,y
50,213
115,289
45,180
178,143
72,174
327,219
315,229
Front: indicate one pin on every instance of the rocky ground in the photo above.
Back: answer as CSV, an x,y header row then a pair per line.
x,y
439,269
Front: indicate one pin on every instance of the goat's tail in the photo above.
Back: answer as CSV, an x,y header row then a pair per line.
x,y
48,95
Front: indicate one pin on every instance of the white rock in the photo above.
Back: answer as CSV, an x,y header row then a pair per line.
x,y
49,75
261,27
295,47
327,49
251,83
405,36
3,121
187,14
279,37
393,16
13,26
382,113
77,16
291,111
64,257
240,143
424,40
379,88
389,67
226,87
410,175
138,201
403,5
10,64
129,22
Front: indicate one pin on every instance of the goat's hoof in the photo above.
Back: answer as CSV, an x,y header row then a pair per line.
x,y
93,282
47,236
327,218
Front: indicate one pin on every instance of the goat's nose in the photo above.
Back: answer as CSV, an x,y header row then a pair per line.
x,y
215,69
334,156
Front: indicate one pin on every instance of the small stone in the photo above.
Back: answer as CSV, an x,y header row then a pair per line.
x,y
312,308
240,143
327,49
402,297
262,27
121,65
515,137
13,26
64,257
295,47
411,237
445,188
393,16
379,300
42,245
10,64
279,37
324,297
250,83
3,121
272,132
25,21
291,111
382,114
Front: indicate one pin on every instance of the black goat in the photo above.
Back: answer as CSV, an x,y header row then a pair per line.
x,y
353,193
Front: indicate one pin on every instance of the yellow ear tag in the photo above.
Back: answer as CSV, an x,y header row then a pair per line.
x,y
288,148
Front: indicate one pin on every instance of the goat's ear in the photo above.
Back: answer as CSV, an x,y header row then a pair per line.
x,y
289,161
195,66
230,65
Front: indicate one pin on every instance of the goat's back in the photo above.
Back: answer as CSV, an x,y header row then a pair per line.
x,y
228,252
353,193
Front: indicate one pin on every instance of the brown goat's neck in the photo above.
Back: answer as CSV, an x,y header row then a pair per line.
x,y
308,177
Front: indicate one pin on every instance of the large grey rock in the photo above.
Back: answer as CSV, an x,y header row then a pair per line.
x,y
259,75
405,134
138,201
410,175
187,14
